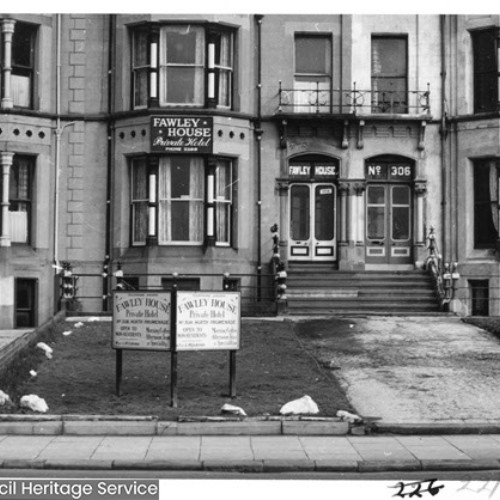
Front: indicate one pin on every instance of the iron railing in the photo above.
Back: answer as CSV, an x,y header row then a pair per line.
x,y
318,100
445,274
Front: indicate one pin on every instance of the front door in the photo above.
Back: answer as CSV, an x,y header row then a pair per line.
x,y
388,224
312,222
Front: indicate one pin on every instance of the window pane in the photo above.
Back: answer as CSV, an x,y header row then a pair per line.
x,y
21,90
140,48
400,195
181,188
376,222
324,213
376,195
222,216
300,208
180,177
22,45
400,223
485,233
312,54
185,45
139,221
389,56
140,87
139,180
184,85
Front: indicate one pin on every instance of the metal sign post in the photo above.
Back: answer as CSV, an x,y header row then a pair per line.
x,y
173,351
119,365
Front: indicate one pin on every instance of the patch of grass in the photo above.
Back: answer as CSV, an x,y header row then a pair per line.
x,y
272,368
488,323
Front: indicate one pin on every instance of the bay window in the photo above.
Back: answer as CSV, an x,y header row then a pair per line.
x,y
183,213
182,65
486,52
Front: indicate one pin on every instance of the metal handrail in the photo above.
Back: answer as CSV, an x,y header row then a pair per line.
x,y
445,274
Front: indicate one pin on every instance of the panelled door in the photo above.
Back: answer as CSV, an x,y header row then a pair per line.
x,y
312,222
389,236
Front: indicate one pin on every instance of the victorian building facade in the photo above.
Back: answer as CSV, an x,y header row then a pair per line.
x,y
166,146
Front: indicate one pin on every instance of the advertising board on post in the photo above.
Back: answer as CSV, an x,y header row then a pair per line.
x,y
142,320
208,321
182,134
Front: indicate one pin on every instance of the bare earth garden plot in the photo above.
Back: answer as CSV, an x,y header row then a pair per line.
x,y
273,367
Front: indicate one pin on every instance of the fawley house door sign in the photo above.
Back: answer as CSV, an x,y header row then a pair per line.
x,y
182,134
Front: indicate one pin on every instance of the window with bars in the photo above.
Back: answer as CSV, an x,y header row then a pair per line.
x,y
195,65
389,69
20,198
486,53
182,201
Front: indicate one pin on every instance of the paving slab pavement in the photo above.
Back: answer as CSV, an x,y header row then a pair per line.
x,y
253,453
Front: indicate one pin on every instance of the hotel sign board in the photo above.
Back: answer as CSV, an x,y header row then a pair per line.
x,y
182,134
141,320
208,321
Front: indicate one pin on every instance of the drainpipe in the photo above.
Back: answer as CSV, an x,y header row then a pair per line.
x,y
443,135
106,285
58,132
258,135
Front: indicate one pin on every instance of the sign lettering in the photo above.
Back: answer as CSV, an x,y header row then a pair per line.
x,y
141,320
208,321
176,134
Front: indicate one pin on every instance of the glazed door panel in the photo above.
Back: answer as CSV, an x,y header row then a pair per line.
x,y
312,222
389,229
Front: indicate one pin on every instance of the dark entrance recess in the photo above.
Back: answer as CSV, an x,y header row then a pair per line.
x,y
25,302
183,284
480,297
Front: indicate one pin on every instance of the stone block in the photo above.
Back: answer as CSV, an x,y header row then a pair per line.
x,y
77,59
75,229
74,206
256,466
48,428
24,428
311,428
75,183
290,465
109,428
75,160
78,34
76,83
77,194
389,465
336,465
77,107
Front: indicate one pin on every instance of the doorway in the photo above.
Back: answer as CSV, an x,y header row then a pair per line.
x,y
312,221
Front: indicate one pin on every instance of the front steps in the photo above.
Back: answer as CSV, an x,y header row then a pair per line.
x,y
315,289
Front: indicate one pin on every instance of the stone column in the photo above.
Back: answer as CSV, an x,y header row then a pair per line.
x,y
284,224
420,191
343,193
7,31
359,189
6,160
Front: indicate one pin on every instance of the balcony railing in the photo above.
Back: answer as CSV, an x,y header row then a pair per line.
x,y
318,100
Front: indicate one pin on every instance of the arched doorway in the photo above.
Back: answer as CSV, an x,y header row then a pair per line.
x,y
389,210
312,208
